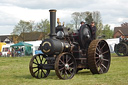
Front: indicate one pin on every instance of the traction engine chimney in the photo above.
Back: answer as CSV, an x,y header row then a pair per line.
x,y
52,23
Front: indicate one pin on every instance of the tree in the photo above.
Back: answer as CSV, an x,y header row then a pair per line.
x,y
107,31
22,27
76,16
43,26
88,17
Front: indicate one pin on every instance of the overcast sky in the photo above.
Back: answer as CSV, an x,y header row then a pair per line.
x,y
113,12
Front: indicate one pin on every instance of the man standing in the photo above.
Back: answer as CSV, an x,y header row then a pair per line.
x,y
82,23
93,27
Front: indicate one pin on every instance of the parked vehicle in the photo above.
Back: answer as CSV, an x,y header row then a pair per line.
x,y
6,50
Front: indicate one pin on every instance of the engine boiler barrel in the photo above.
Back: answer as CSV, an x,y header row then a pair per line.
x,y
54,46
52,23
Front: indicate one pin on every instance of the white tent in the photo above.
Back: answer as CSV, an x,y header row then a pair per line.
x,y
111,43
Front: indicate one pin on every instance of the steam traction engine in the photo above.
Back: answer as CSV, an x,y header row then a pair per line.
x,y
121,49
67,53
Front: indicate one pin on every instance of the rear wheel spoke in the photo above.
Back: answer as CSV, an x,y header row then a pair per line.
x,y
101,69
104,66
103,46
105,52
105,60
98,49
97,61
97,53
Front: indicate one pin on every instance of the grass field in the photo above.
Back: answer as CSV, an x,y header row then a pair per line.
x,y
14,71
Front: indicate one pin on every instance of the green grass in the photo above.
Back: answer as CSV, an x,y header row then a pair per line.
x,y
15,71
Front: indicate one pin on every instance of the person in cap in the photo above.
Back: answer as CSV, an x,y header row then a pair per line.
x,y
93,27
82,23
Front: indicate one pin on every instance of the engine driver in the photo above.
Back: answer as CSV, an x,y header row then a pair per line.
x,y
93,27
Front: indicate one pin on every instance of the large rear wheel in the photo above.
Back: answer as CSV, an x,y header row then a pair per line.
x,y
99,57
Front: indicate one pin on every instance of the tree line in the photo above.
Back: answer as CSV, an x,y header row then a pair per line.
x,y
77,17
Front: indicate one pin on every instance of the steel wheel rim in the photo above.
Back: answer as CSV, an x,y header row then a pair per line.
x,y
99,59
65,66
36,66
102,60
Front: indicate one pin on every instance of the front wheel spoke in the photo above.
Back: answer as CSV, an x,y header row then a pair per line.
x,y
43,72
40,59
36,60
35,63
45,61
38,74
35,71
34,67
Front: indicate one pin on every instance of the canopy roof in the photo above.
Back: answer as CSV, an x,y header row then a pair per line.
x,y
21,44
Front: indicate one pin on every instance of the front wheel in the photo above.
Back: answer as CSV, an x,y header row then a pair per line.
x,y
36,66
